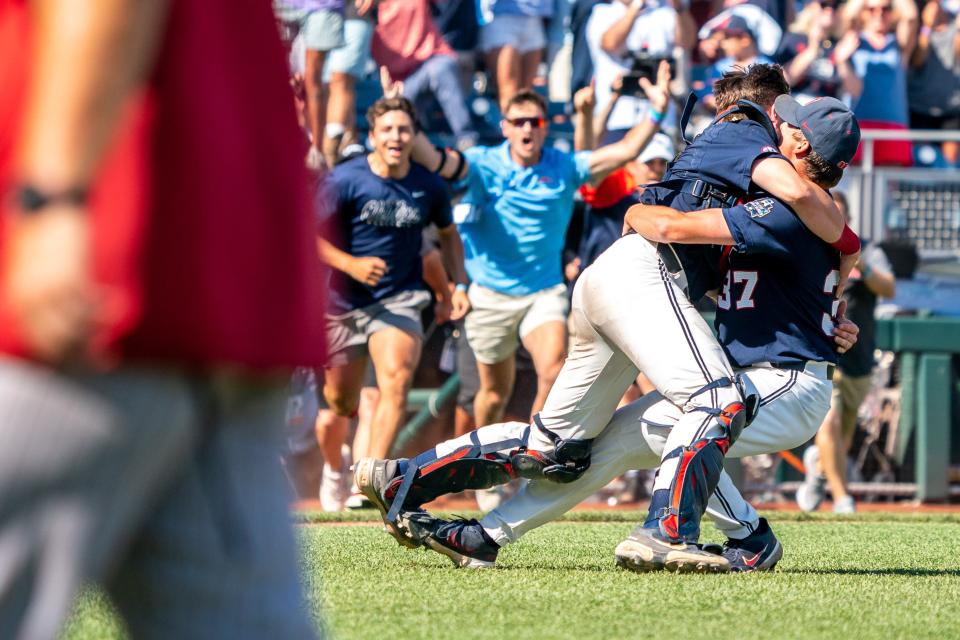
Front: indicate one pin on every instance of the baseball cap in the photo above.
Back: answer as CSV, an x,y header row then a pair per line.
x,y
829,125
660,146
737,26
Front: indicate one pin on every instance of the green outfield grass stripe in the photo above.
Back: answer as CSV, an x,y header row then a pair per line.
x,y
898,577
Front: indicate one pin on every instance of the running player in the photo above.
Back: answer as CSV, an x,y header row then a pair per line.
x,y
628,295
774,318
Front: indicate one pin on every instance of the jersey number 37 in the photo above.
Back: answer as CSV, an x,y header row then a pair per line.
x,y
748,279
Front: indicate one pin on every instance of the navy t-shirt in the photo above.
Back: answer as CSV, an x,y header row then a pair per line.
x,y
723,155
384,218
777,300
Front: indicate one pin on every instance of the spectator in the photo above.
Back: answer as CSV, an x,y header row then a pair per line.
x,y
766,30
523,191
408,44
933,87
826,460
887,40
513,39
303,458
344,66
319,24
383,202
739,46
158,272
619,32
582,58
457,22
815,54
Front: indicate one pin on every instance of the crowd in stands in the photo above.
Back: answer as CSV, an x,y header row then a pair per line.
x,y
530,115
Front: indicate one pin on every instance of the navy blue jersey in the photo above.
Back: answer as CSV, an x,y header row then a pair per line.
x,y
723,155
777,300
383,217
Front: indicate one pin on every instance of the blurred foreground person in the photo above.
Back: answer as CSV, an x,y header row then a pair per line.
x,y
158,282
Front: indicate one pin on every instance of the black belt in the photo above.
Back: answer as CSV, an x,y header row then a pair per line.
x,y
801,366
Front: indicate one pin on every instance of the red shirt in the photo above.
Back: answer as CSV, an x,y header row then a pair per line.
x,y
405,37
201,210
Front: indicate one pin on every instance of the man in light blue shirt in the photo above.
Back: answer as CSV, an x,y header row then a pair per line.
x,y
513,220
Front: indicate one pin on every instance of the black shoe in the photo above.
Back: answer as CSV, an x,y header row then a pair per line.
x,y
760,551
463,541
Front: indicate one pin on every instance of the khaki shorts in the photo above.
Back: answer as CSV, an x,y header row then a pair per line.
x,y
499,321
848,395
348,333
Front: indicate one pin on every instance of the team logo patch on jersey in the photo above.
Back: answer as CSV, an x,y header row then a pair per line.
x,y
759,208
769,149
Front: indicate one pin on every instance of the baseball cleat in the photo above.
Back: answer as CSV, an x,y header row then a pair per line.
x,y
463,541
760,551
644,550
373,476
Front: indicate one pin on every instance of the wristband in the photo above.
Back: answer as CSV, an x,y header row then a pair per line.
x,y
925,31
461,160
443,159
849,242
461,286
656,117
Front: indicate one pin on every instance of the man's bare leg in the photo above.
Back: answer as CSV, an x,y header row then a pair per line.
x,y
395,355
547,345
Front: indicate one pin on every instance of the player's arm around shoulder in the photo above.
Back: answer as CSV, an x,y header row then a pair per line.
x,y
814,206
665,224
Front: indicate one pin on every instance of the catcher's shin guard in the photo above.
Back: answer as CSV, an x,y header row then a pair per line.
x,y
698,472
466,468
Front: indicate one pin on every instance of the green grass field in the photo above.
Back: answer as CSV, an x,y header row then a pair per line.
x,y
856,578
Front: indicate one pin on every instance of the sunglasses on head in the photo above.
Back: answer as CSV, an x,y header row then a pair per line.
x,y
537,122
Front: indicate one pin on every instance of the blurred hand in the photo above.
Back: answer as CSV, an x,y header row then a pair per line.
x,y
658,94
391,88
931,13
363,6
584,100
815,33
461,305
845,333
846,47
442,309
572,269
367,270
48,283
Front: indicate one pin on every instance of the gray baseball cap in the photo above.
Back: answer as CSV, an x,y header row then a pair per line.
x,y
828,124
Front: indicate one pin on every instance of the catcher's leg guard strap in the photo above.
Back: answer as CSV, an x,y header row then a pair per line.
x,y
567,462
428,477
698,472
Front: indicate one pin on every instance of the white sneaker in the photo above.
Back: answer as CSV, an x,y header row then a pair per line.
x,y
813,490
333,492
845,505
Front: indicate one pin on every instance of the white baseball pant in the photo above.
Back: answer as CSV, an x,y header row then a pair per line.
x,y
793,405
630,315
